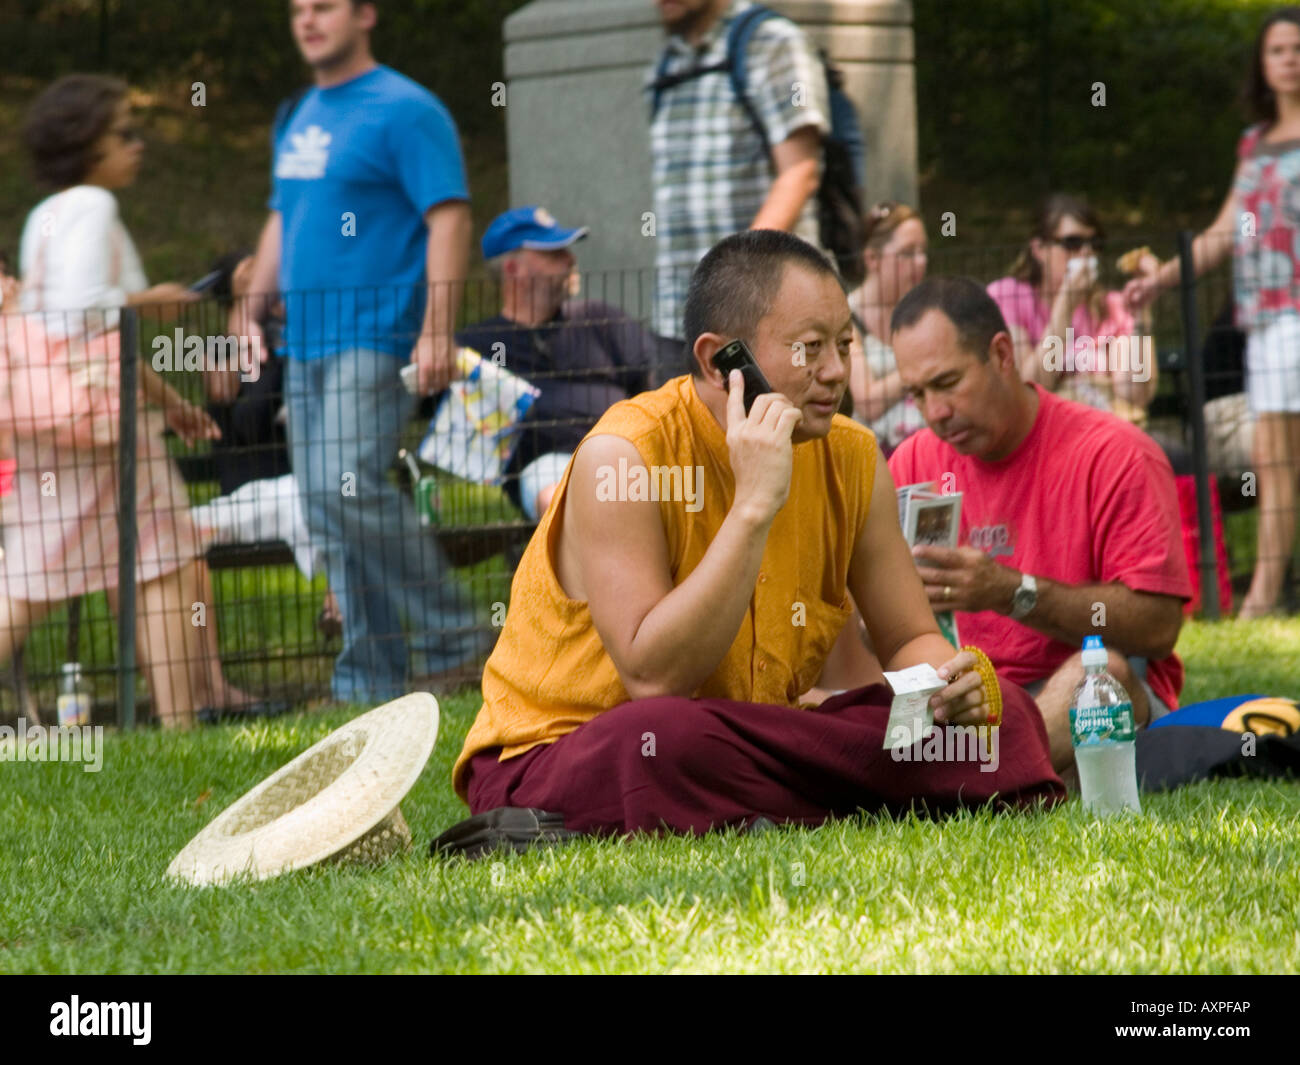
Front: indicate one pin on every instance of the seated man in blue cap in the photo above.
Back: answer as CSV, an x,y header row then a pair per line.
x,y
584,355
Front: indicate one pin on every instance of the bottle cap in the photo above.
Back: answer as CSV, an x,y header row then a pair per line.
x,y
1094,654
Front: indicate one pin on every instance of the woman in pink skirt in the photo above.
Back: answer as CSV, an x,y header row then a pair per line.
x,y
60,522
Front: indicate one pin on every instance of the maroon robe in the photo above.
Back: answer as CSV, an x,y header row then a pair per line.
x,y
690,765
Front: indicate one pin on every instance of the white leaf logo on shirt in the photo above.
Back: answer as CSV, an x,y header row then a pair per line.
x,y
307,155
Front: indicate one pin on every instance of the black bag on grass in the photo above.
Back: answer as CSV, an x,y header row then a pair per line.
x,y
1181,754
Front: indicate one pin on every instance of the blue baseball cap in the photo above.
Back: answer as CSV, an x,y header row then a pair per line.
x,y
527,227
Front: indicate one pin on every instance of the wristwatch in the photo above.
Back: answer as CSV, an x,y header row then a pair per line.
x,y
1025,598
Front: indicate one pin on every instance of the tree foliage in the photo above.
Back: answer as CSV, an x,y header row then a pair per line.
x,y
244,52
1006,92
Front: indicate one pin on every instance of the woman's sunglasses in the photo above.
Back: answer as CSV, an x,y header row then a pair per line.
x,y
1074,243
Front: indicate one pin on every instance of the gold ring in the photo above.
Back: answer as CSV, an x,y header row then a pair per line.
x,y
947,591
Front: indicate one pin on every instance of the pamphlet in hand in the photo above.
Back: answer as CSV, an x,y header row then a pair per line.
x,y
905,493
929,518
476,427
910,714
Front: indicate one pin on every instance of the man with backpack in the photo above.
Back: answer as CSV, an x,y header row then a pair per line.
x,y
740,136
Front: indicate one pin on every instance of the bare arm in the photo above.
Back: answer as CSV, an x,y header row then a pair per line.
x,y
663,640
667,640
1136,623
254,290
887,589
1209,249
190,423
446,263
798,173
264,278
163,301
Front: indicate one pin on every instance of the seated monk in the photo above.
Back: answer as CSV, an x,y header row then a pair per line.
x,y
675,606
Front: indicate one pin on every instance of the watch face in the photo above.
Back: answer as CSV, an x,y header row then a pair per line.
x,y
1024,599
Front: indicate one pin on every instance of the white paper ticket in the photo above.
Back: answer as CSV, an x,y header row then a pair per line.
x,y
910,714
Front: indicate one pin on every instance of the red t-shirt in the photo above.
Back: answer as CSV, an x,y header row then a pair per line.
x,y
1085,499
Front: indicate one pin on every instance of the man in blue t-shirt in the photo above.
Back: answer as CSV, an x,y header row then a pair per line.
x,y
367,241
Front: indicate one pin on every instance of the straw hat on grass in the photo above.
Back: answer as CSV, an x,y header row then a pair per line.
x,y
336,801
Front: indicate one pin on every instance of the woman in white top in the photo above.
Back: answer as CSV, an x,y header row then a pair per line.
x,y
895,260
78,266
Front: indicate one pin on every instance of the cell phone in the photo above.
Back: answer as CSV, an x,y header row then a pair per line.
x,y
207,282
737,356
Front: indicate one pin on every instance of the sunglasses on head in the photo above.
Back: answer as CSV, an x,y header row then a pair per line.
x,y
1074,242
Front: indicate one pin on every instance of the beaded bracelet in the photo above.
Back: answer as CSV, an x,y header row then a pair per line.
x,y
989,681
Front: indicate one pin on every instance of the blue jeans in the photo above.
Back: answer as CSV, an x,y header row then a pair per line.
x,y
346,413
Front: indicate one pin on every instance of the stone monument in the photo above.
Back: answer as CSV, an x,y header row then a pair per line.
x,y
578,119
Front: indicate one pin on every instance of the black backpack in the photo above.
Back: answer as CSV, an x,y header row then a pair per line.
x,y
839,204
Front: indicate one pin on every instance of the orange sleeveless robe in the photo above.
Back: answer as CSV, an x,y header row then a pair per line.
x,y
550,674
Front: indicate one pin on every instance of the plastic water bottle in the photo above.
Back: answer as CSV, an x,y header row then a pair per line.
x,y
74,700
1102,730
428,506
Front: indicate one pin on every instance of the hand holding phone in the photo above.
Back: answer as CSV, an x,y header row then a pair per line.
x,y
760,449
737,356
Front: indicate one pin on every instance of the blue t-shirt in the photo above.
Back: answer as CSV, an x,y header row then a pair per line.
x,y
353,172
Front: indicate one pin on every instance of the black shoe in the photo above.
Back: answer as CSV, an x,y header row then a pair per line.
x,y
212,715
516,828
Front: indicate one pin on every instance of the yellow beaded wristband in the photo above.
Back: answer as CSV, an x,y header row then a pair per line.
x,y
989,680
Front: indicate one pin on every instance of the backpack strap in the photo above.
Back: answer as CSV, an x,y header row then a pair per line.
x,y
740,33
660,82
664,81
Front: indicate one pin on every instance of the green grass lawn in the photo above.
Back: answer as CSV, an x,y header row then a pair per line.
x,y
1204,882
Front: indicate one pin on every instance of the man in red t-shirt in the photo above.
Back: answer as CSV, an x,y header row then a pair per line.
x,y
1069,517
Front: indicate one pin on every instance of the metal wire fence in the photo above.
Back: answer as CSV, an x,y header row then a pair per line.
x,y
193,525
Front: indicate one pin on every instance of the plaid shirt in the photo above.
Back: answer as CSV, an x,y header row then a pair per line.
x,y
710,173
